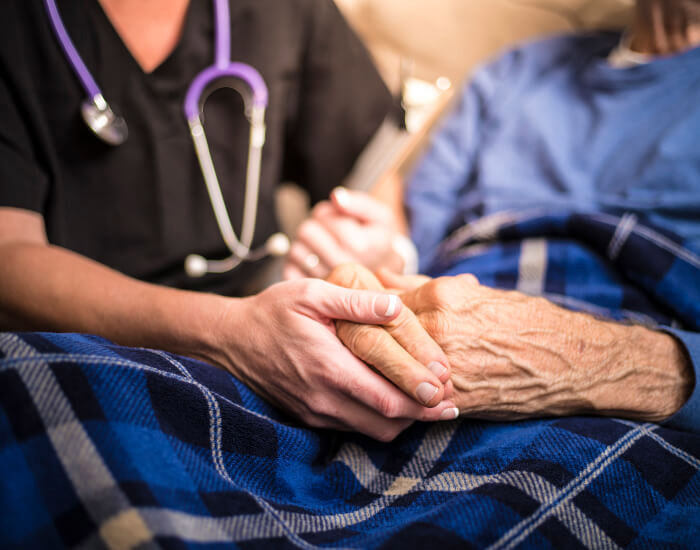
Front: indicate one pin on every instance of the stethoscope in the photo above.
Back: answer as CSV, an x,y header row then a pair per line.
x,y
112,129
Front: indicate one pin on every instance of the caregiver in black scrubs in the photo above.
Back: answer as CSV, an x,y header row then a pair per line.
x,y
93,237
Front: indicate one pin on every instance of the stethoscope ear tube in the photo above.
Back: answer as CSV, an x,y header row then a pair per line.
x,y
278,244
240,248
216,198
255,104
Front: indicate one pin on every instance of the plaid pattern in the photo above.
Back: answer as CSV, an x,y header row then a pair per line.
x,y
109,447
103,446
614,266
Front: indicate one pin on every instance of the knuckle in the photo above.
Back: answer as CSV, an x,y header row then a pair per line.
x,y
449,285
468,278
344,275
305,288
332,378
296,252
314,421
320,405
354,304
388,407
308,290
444,291
436,325
436,290
374,337
322,209
365,341
308,230
406,321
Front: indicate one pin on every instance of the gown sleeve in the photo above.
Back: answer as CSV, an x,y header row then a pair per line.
x,y
688,417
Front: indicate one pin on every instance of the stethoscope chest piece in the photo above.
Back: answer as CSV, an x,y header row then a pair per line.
x,y
105,123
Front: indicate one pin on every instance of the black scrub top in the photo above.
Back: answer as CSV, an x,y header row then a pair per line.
x,y
142,207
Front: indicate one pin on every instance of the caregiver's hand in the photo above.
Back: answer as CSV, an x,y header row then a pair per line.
x,y
283,343
400,348
350,227
514,356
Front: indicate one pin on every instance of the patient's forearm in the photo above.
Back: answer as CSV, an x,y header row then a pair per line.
x,y
557,362
635,372
515,356
50,288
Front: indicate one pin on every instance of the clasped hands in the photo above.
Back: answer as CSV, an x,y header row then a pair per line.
x,y
512,356
457,346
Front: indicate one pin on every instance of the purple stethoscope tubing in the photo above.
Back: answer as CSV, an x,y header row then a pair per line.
x,y
96,112
91,87
112,129
223,67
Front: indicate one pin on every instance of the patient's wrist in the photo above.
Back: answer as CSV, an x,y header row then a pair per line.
x,y
647,375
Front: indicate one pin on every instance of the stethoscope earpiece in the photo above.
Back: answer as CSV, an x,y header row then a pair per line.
x,y
196,266
278,245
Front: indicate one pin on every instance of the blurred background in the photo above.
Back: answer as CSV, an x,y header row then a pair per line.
x,y
425,49
449,37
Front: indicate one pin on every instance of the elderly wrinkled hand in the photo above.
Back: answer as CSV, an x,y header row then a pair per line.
x,y
514,356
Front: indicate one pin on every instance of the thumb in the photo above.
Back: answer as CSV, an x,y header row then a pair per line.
x,y
360,205
357,306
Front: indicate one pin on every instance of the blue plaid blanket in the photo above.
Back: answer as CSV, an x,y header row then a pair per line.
x,y
619,267
103,446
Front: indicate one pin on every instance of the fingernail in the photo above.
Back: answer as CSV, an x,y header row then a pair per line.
x,y
437,369
426,392
341,195
386,305
449,414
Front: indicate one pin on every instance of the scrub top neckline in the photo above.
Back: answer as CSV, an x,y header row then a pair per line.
x,y
172,55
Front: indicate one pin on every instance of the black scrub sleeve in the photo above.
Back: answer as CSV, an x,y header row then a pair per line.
x,y
342,102
23,184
